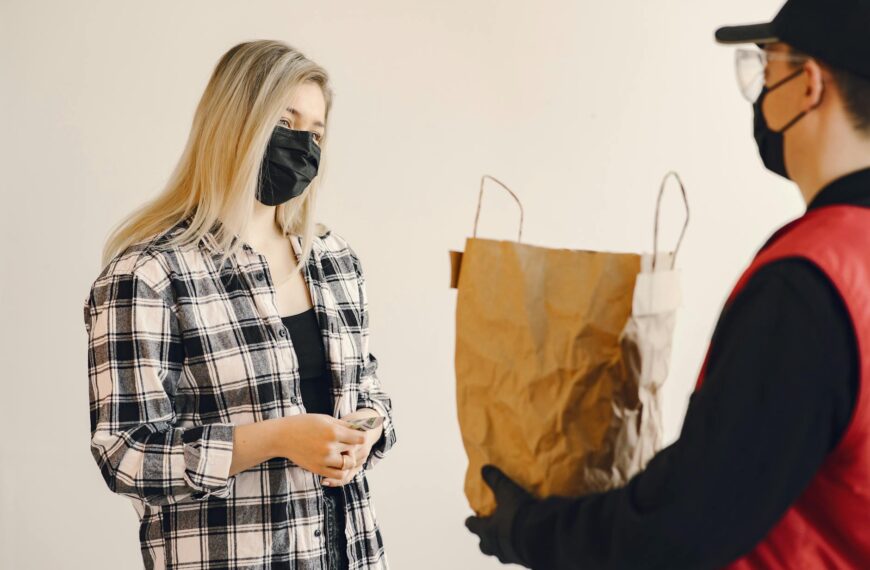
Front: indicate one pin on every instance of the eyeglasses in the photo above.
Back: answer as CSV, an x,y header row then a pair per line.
x,y
750,65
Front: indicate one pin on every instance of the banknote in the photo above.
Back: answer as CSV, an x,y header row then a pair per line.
x,y
365,424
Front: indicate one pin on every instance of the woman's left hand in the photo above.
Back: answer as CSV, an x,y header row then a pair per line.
x,y
356,460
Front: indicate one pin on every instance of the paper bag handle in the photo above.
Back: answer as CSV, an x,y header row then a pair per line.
x,y
658,213
480,201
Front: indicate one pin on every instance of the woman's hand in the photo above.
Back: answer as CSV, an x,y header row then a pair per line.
x,y
316,442
358,455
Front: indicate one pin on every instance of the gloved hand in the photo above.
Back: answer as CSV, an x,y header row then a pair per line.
x,y
496,531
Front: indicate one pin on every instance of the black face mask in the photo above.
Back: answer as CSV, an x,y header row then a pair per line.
x,y
289,165
771,144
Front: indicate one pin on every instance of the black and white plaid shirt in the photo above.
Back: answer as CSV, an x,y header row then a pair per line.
x,y
178,355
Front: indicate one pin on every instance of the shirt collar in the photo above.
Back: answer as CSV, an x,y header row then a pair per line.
x,y
209,240
852,188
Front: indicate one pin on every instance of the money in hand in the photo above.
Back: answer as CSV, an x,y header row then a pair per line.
x,y
365,424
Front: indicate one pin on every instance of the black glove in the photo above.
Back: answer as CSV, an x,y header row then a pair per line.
x,y
496,531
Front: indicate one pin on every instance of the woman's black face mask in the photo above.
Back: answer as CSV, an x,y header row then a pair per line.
x,y
289,165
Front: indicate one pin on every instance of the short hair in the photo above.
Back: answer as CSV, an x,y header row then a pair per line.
x,y
856,93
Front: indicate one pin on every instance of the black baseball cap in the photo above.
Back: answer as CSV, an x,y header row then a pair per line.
x,y
834,31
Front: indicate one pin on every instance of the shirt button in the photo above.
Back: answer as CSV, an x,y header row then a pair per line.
x,y
294,400
282,332
317,532
260,276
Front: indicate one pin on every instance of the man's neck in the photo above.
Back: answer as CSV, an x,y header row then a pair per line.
x,y
833,161
810,191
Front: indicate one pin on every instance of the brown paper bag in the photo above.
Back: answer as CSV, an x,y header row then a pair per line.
x,y
560,356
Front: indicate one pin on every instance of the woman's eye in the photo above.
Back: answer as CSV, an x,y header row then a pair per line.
x,y
284,122
317,137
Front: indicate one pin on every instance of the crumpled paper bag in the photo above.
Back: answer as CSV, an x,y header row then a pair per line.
x,y
560,356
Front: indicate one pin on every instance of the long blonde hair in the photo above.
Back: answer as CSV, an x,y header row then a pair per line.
x,y
216,176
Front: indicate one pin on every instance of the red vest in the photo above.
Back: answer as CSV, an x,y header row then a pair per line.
x,y
829,524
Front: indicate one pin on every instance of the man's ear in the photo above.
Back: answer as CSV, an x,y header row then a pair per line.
x,y
815,84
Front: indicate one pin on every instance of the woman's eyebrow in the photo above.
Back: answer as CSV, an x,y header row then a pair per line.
x,y
293,111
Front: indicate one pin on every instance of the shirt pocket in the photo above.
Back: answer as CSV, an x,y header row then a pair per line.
x,y
351,345
343,363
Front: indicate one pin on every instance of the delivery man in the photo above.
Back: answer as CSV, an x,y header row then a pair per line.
x,y
772,466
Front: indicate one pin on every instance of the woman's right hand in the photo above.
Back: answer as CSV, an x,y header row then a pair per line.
x,y
316,442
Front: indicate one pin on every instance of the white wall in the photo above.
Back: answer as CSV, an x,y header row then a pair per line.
x,y
580,106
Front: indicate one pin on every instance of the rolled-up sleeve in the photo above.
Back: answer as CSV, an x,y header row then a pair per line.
x,y
371,392
135,359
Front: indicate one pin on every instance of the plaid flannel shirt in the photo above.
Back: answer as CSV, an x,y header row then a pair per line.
x,y
178,355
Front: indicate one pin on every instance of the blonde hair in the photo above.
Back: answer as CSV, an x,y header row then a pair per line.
x,y
216,177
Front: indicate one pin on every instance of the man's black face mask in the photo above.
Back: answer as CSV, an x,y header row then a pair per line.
x,y
771,145
289,165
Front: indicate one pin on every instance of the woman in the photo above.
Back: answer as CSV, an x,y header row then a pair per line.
x,y
228,334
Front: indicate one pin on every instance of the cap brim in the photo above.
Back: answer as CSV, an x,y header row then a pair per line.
x,y
749,34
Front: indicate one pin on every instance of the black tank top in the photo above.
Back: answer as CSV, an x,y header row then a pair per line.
x,y
316,388
315,377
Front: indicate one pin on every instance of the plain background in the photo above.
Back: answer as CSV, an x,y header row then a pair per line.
x,y
581,107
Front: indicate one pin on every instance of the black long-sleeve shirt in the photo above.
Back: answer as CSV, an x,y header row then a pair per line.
x,y
780,389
